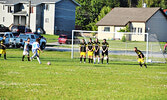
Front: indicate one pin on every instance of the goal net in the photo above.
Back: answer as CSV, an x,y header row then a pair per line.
x,y
121,45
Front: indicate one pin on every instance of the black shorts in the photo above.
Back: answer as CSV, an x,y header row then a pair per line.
x,y
106,53
97,53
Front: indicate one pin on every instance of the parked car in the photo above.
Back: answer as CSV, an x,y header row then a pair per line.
x,y
20,29
67,39
23,37
3,28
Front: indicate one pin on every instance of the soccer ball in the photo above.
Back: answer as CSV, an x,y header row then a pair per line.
x,y
49,63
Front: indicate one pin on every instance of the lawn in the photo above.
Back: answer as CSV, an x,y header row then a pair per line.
x,y
51,38
68,79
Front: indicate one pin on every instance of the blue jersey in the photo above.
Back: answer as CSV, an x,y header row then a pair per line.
x,y
35,46
26,46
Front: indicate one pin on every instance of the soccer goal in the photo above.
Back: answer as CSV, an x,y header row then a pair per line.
x,y
121,45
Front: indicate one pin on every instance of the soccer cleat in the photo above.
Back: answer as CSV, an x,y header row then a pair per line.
x,y
80,62
107,63
97,63
84,62
94,63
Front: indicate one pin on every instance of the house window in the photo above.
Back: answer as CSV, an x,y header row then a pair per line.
x,y
139,30
9,9
134,29
106,29
3,19
46,20
3,7
47,7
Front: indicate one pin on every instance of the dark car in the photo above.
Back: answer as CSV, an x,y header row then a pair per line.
x,y
3,28
20,29
67,39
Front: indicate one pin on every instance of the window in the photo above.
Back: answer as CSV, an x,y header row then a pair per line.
x,y
139,30
3,7
3,19
32,37
46,20
9,9
134,29
47,7
10,35
106,29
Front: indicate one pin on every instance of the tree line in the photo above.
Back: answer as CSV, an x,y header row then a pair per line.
x,y
91,11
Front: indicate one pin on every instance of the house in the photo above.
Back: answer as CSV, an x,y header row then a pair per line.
x,y
54,16
139,21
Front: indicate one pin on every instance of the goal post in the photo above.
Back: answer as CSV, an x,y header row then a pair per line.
x,y
120,50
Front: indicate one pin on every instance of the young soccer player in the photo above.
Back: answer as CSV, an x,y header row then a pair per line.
x,y
83,51
97,51
26,49
3,47
105,47
140,57
90,50
35,48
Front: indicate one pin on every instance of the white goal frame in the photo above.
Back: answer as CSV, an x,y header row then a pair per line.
x,y
84,31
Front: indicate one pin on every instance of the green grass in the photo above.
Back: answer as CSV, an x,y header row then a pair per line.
x,y
68,79
51,38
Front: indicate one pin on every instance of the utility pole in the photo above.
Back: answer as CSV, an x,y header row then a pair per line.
x,y
29,13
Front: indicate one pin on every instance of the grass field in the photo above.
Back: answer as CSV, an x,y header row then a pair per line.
x,y
68,79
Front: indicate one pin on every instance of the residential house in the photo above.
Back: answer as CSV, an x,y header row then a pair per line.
x,y
139,20
54,16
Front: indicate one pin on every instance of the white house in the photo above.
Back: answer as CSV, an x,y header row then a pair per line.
x,y
139,20
54,16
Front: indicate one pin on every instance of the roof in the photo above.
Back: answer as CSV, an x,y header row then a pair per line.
x,y
33,2
21,13
122,16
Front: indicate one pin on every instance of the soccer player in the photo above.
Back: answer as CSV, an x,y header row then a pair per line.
x,y
83,51
90,50
165,48
105,47
97,51
35,48
3,47
140,57
26,49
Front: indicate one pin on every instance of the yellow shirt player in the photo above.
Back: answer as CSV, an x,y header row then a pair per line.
x,y
83,51
140,57
90,50
3,47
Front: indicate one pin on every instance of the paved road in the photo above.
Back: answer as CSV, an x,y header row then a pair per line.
x,y
132,53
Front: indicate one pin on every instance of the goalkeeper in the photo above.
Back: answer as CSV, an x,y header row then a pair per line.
x,y
165,48
140,57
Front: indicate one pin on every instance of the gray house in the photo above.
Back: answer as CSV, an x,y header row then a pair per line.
x,y
54,16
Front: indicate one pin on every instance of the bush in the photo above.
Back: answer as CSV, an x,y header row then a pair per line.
x,y
123,39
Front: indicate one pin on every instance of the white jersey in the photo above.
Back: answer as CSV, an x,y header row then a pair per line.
x,y
35,46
